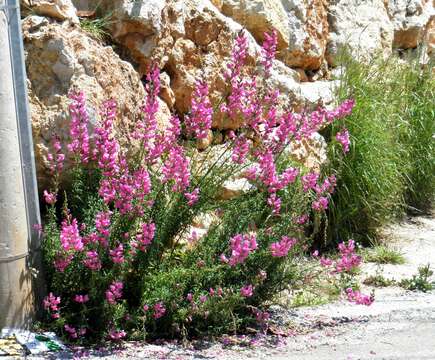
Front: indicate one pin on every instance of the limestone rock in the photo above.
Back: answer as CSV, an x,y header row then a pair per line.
x,y
166,92
233,188
190,39
202,144
310,152
302,27
363,27
200,226
61,58
410,18
57,9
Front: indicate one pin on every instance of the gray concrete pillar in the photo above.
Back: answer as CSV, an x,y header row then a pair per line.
x,y
16,299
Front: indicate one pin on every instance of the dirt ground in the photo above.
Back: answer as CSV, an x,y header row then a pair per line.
x,y
400,324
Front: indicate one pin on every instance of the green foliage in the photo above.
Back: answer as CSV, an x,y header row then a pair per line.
x,y
382,254
168,271
390,165
378,280
97,28
420,281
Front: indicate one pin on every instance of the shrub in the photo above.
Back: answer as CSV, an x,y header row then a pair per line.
x,y
115,241
421,281
391,160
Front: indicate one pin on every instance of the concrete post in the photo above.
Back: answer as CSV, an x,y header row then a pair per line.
x,y
16,299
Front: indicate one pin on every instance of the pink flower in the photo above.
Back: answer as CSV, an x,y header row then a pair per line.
x,y
146,308
145,238
71,331
359,298
309,181
275,203
92,260
223,259
79,126
262,275
268,50
192,197
159,310
114,292
241,247
261,316
320,204
268,173
240,150
328,185
198,122
116,335
288,177
300,220
240,88
62,261
246,291
349,259
281,248
117,254
102,224
343,138
51,304
81,299
50,198
286,128
238,57
325,262
57,159
70,237
107,147
189,297
146,129
176,168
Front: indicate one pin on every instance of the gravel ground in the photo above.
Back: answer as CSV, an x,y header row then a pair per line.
x,y
398,325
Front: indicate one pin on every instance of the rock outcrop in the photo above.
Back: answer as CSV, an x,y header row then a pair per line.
x,y
302,27
57,9
410,19
61,58
191,39
363,28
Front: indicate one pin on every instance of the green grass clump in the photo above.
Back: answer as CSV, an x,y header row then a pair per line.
x,y
97,28
384,255
391,164
420,281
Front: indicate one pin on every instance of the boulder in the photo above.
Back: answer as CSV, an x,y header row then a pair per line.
x,y
310,152
410,19
61,58
363,28
302,27
56,9
189,39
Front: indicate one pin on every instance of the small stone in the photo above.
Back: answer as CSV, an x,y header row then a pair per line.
x,y
202,144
